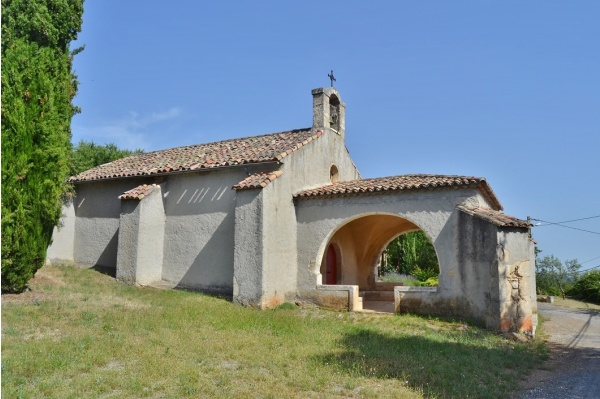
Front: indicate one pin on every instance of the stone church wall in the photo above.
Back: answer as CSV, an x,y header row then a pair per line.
x,y
97,210
199,229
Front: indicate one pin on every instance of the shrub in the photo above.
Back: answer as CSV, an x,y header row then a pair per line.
x,y
587,287
424,274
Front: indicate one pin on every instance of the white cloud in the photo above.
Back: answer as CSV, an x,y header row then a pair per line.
x,y
131,131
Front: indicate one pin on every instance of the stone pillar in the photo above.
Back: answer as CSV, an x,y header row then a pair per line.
x,y
248,252
141,235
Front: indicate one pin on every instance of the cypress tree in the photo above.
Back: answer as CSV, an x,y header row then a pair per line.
x,y
37,89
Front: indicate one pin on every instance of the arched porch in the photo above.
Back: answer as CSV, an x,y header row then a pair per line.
x,y
477,278
353,253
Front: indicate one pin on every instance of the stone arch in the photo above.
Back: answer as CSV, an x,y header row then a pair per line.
x,y
360,241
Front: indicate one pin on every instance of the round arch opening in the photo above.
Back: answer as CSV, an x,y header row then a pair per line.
x,y
360,249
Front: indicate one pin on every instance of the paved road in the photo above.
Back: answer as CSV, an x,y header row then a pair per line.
x,y
573,370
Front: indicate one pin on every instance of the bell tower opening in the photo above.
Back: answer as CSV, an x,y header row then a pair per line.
x,y
329,112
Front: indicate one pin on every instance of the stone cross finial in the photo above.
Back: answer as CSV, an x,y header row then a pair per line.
x,y
331,77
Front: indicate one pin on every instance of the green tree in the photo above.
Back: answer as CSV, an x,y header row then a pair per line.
x,y
412,253
86,155
555,278
587,288
37,89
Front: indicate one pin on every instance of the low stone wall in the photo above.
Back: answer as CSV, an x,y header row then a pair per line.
x,y
339,297
413,299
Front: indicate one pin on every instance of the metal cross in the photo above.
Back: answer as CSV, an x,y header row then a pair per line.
x,y
331,77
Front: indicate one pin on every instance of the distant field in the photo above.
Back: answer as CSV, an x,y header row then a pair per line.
x,y
574,304
80,334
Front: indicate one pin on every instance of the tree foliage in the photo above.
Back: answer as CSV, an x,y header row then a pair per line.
x,y
86,155
552,277
37,89
587,288
412,254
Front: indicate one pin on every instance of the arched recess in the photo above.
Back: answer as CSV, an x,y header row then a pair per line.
x,y
359,243
330,266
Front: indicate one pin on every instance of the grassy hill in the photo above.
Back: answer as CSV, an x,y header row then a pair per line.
x,y
81,334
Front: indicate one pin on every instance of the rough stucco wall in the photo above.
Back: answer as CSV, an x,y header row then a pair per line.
x,y
248,255
199,229
517,307
97,210
198,250
127,253
305,168
478,260
62,247
151,238
141,239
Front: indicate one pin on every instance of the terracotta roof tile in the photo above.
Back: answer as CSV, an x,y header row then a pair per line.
x,y
248,150
257,180
495,217
138,193
404,183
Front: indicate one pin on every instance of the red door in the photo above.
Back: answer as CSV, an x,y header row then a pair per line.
x,y
331,266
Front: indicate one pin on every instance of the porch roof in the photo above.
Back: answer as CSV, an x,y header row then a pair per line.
x,y
495,217
413,182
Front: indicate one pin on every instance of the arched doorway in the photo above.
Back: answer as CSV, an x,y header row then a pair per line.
x,y
331,266
360,242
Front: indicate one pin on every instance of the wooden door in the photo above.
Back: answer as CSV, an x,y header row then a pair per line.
x,y
331,266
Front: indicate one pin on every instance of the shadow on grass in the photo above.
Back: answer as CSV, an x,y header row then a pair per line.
x,y
440,366
108,271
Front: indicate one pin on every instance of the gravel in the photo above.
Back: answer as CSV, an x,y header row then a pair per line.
x,y
573,370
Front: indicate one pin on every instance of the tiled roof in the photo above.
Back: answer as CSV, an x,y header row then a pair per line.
x,y
248,150
495,217
138,193
404,183
257,180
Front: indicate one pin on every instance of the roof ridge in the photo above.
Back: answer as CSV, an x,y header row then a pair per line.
x,y
271,147
403,182
231,139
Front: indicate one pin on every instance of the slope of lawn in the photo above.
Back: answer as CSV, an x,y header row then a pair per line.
x,y
81,334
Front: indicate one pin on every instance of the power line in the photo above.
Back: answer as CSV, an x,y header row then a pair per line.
x,y
589,260
562,225
566,221
591,268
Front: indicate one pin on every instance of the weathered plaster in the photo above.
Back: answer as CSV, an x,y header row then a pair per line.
x,y
62,248
97,211
248,255
199,229
305,168
141,239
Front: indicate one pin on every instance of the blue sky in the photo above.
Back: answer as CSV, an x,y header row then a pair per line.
x,y
505,90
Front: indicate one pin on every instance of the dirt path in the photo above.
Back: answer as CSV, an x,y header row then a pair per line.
x,y
573,370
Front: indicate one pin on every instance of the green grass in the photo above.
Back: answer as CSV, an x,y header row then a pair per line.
x,y
81,334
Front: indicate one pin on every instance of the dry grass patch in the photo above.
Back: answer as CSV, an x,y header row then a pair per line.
x,y
88,336
575,304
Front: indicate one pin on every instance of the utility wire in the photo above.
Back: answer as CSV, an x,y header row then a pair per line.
x,y
566,221
591,268
562,225
589,260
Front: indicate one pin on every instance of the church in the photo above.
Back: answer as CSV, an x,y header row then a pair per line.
x,y
287,217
